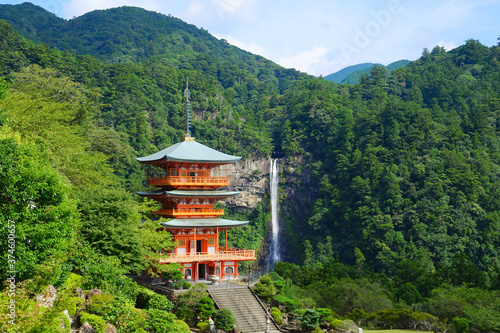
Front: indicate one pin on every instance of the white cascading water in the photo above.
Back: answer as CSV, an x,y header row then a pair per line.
x,y
274,249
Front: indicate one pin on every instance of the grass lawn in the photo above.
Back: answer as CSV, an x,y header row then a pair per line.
x,y
393,331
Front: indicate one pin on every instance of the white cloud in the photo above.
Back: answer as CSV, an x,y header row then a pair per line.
x,y
309,61
250,47
447,45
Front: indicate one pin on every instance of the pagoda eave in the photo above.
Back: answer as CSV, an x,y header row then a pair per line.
x,y
180,223
188,194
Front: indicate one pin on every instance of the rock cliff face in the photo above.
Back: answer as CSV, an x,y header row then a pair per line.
x,y
251,178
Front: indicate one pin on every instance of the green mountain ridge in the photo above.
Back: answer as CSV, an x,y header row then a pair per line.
x,y
132,34
352,74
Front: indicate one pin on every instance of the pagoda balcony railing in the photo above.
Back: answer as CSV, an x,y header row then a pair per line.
x,y
188,181
222,255
188,212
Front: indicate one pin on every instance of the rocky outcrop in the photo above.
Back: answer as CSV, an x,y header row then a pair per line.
x,y
48,296
79,292
86,328
93,292
251,178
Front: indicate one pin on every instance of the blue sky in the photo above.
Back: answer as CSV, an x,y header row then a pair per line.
x,y
320,37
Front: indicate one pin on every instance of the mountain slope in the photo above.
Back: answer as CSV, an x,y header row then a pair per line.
x,y
352,74
131,35
339,76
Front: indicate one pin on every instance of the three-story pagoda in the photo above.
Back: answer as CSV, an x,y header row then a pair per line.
x,y
191,179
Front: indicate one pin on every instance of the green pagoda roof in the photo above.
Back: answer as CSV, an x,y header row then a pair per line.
x,y
203,223
192,194
190,151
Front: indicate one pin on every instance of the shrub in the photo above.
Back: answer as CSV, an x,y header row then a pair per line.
x,y
160,321
186,285
224,319
289,303
74,305
184,313
461,325
73,281
96,302
97,322
143,296
204,327
205,308
277,316
327,315
309,319
160,302
347,325
335,323
265,288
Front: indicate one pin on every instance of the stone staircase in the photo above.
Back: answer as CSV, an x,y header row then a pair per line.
x,y
249,313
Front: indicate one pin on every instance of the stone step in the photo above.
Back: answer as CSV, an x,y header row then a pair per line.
x,y
249,314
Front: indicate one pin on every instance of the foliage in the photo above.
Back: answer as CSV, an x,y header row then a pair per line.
x,y
163,321
461,325
205,308
478,307
403,169
96,302
309,319
96,321
187,303
265,287
277,316
38,216
204,327
224,320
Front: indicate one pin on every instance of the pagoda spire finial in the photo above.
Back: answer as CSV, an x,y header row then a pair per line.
x,y
187,95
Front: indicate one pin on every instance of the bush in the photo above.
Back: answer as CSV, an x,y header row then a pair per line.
x,y
96,302
160,302
205,308
224,319
143,296
74,305
73,281
184,313
265,288
327,315
309,319
186,285
346,326
461,325
204,327
97,322
277,316
160,321
290,304
335,323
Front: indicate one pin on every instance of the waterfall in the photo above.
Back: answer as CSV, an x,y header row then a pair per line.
x,y
274,248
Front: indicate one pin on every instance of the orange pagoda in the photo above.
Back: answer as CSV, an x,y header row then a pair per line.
x,y
190,177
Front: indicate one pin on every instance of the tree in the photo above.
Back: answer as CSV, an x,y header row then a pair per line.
x,y
39,218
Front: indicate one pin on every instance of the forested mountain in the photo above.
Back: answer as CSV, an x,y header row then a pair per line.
x,y
132,35
340,75
404,168
352,74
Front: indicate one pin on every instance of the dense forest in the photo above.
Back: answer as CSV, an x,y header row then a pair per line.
x,y
404,226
